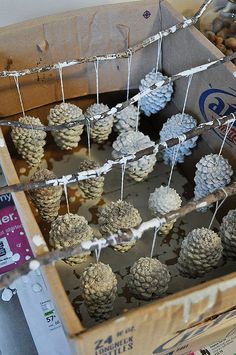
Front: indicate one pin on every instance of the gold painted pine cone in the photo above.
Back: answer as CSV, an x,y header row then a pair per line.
x,y
98,286
47,200
148,278
28,142
67,231
92,188
119,215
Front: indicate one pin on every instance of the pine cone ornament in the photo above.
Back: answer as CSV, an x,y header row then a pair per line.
x,y
101,129
130,143
67,231
47,200
174,127
200,252
157,99
228,234
119,215
127,119
28,142
148,278
67,138
92,188
213,172
99,289
163,200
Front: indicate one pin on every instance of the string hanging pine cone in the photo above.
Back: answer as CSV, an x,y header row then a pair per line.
x,y
28,142
47,200
157,99
99,289
119,215
163,200
67,138
228,234
130,143
67,231
127,119
174,127
200,252
92,188
100,129
148,278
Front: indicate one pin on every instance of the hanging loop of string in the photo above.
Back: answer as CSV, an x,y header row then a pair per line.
x,y
187,92
96,66
97,251
123,167
218,206
61,81
137,117
159,45
16,78
175,155
228,128
88,137
154,241
66,197
129,72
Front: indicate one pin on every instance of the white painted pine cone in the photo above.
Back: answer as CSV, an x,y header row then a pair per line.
x,y
99,289
101,129
119,215
174,127
156,100
67,138
200,252
228,234
148,278
130,143
127,119
67,231
28,142
92,188
47,200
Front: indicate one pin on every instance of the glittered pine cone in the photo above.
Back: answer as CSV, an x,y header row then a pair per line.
x,y
174,127
47,200
99,289
127,119
200,252
148,278
67,138
130,143
100,129
92,188
67,231
28,142
119,215
157,99
228,234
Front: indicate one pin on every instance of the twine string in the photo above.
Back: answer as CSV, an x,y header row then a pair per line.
x,y
218,206
16,78
96,66
129,73
123,167
154,241
61,81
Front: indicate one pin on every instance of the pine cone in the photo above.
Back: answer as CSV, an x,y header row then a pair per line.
x,y
47,200
127,119
200,252
156,100
163,200
99,288
174,127
92,188
67,231
101,129
67,138
119,215
228,234
28,142
130,143
148,278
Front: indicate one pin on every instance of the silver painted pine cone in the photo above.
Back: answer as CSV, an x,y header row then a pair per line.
x,y
200,252
157,99
28,142
47,200
148,278
119,215
130,143
228,234
127,119
174,127
100,129
92,188
67,231
67,138
99,289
